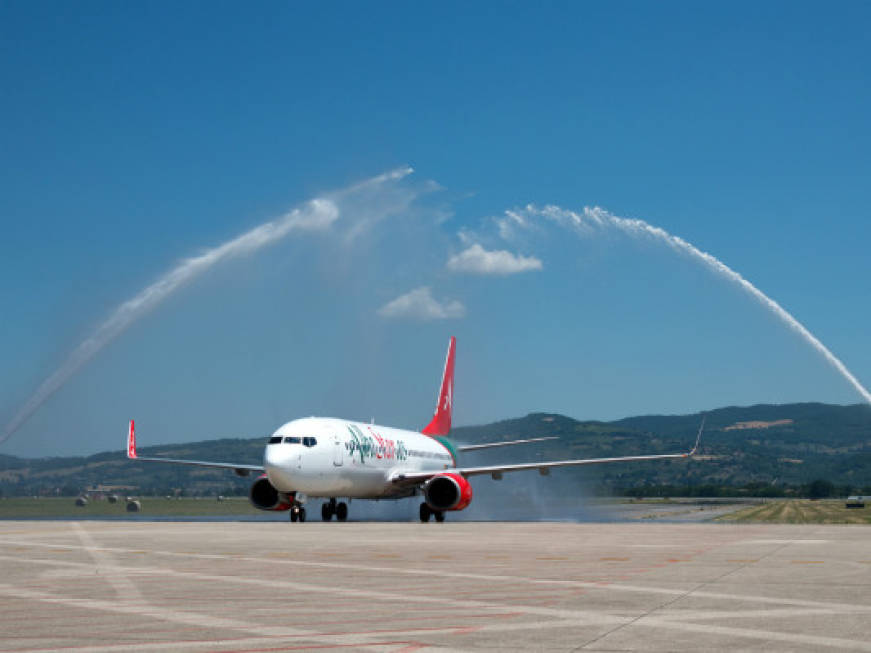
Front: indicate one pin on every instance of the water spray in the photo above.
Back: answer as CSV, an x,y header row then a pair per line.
x,y
315,215
592,219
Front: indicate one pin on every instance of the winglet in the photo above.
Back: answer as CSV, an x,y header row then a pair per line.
x,y
441,421
131,441
699,436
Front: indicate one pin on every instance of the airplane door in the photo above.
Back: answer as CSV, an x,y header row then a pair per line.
x,y
338,451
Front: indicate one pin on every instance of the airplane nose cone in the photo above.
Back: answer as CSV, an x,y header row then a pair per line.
x,y
278,461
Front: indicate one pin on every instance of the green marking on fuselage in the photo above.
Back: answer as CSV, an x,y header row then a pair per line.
x,y
447,444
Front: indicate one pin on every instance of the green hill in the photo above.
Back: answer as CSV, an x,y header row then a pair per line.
x,y
785,444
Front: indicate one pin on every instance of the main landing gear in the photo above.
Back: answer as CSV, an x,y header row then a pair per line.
x,y
340,510
426,512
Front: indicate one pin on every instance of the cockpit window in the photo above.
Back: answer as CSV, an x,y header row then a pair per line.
x,y
309,442
275,439
291,439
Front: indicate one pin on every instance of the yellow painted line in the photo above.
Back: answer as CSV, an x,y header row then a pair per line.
x,y
807,562
614,559
550,558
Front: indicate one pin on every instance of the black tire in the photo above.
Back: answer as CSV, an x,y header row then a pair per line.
x,y
302,514
439,516
425,513
326,512
342,511
294,515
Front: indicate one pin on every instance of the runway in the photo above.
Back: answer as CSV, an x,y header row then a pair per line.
x,y
115,586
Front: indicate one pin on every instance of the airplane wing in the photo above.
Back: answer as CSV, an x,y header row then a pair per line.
x,y
240,469
492,445
543,467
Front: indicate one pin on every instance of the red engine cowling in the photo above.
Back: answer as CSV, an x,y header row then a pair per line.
x,y
447,492
264,496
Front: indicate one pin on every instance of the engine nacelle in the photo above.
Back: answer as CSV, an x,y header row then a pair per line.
x,y
447,492
264,496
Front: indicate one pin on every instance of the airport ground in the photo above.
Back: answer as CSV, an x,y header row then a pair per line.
x,y
791,511
641,585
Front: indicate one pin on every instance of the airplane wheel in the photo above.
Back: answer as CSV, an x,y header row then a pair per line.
x,y
342,511
302,514
294,515
326,512
425,513
439,516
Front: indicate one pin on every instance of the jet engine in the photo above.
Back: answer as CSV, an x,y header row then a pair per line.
x,y
447,492
264,496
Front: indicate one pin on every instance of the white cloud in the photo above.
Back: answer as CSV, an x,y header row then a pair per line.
x,y
511,223
419,304
477,260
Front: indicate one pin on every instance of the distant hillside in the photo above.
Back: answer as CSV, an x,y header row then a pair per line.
x,y
788,444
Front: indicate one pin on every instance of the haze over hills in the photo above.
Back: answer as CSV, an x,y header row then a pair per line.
x,y
781,444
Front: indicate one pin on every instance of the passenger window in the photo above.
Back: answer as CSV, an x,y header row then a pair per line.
x,y
292,440
275,439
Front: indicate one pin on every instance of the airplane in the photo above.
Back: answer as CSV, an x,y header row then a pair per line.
x,y
328,458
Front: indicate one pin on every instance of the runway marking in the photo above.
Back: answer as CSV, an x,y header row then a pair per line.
x,y
263,640
162,614
644,589
782,542
762,635
579,617
807,562
123,586
693,615
743,561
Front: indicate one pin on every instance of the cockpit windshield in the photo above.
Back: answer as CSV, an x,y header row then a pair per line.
x,y
293,439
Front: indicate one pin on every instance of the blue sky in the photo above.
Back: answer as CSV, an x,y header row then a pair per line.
x,y
138,136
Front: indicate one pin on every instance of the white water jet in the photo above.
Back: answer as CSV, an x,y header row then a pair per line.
x,y
315,215
596,218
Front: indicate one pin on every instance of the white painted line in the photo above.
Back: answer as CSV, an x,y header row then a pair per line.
x,y
436,573
117,578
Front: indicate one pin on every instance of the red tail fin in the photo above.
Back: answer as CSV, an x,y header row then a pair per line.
x,y
441,423
131,442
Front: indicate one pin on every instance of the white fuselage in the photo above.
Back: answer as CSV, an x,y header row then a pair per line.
x,y
325,457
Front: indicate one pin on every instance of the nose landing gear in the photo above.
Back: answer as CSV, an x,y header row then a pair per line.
x,y
297,513
426,512
340,510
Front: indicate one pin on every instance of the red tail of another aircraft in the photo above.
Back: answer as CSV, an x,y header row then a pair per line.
x,y
131,441
441,422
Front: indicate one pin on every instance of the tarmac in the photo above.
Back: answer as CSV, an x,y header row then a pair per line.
x,y
270,586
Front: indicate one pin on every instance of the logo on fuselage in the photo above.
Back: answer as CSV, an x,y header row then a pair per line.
x,y
374,445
